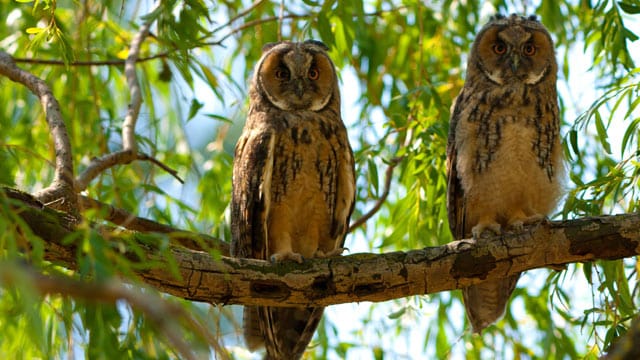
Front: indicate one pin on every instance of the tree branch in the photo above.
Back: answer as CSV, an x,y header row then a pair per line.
x,y
113,62
362,277
98,165
129,126
63,183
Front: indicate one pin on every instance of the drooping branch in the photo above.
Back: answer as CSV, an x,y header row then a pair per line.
x,y
129,152
62,188
365,277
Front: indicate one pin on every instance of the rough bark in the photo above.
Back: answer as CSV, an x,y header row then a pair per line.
x,y
358,277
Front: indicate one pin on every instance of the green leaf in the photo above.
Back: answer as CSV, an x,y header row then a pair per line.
x,y
398,314
629,8
602,132
194,108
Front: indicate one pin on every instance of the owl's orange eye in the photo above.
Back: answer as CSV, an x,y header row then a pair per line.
x,y
282,74
499,48
529,49
314,74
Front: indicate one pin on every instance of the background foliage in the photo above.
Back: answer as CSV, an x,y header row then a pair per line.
x,y
402,64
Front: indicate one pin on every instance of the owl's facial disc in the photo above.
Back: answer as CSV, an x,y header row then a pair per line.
x,y
515,54
297,79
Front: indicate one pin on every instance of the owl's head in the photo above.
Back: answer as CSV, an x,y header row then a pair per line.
x,y
514,49
296,75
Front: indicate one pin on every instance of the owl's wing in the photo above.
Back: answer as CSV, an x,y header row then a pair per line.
x,y
252,169
346,193
455,193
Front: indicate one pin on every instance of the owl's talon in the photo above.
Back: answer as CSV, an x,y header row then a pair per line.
x,y
335,252
517,224
289,255
481,229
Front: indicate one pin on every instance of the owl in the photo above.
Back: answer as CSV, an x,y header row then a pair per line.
x,y
504,158
293,182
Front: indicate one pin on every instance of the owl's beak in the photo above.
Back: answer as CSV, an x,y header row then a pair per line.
x,y
299,89
515,61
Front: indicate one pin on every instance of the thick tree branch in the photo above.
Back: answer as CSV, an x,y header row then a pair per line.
x,y
62,187
364,277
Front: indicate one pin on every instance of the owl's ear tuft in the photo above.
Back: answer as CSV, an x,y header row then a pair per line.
x,y
317,43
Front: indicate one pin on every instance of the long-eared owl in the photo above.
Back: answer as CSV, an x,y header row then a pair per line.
x,y
293,181
504,154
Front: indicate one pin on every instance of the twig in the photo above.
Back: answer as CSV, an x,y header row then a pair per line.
x,y
387,187
99,165
239,15
174,173
113,62
155,308
254,23
62,185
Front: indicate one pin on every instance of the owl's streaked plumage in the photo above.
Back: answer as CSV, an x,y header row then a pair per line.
x,y
293,181
504,154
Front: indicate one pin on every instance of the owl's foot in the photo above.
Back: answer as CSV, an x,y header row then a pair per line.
x,y
287,255
485,227
518,222
335,252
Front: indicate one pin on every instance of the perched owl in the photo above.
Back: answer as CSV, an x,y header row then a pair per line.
x,y
504,155
293,181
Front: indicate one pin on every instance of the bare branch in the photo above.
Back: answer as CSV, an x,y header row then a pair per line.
x,y
385,193
62,186
161,165
99,165
156,309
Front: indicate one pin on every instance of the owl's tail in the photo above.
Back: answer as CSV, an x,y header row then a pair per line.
x,y
284,332
486,302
